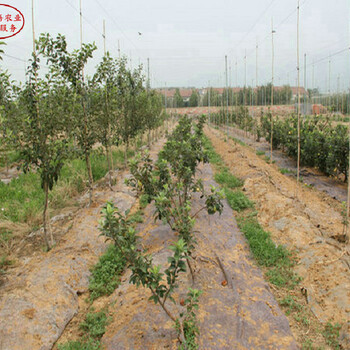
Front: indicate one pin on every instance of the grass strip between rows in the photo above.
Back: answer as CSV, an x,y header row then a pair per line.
x,y
277,259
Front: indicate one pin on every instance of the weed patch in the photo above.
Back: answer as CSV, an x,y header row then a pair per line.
x,y
136,218
94,327
286,171
105,275
238,141
225,178
331,334
237,200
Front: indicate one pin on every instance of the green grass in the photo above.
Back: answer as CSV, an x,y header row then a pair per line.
x,y
10,158
225,178
264,249
331,334
260,153
275,258
290,304
5,235
286,171
22,199
95,324
94,327
214,158
89,344
238,141
105,275
136,218
237,200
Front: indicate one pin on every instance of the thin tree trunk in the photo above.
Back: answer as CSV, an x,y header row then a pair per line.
x,y
111,155
46,190
126,154
109,166
88,167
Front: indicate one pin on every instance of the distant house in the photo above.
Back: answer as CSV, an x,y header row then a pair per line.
x,y
187,92
184,92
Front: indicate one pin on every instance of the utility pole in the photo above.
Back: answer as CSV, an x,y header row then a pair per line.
x,y
272,85
33,26
226,97
209,101
348,199
305,85
230,84
236,86
298,69
245,78
256,72
104,37
338,85
329,83
119,48
148,77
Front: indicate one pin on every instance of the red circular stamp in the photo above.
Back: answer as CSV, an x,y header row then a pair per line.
x,y
11,21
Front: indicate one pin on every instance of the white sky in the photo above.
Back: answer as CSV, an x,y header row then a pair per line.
x,y
187,41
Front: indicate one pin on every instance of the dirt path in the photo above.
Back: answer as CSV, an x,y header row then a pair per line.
x,y
336,189
241,315
305,226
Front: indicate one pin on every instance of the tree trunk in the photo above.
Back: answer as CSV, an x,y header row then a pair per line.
x,y
88,167
46,190
112,160
126,154
109,166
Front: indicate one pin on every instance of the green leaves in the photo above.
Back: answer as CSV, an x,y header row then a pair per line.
x,y
116,227
322,145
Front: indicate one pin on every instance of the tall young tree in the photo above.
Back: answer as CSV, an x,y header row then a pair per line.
x,y
71,67
38,126
130,86
106,80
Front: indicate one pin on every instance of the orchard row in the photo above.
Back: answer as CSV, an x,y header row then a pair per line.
x,y
63,113
322,144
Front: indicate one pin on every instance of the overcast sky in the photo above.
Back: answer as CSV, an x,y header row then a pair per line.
x,y
187,41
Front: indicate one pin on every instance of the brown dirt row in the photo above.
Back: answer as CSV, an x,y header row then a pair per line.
x,y
305,225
